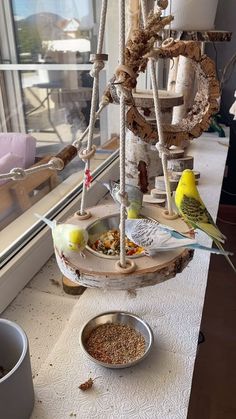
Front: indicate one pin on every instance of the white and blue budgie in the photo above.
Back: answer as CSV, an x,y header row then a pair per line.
x,y
67,238
155,237
135,197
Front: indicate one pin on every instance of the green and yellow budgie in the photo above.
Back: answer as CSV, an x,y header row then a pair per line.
x,y
194,212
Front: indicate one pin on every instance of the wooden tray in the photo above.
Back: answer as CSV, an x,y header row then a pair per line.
x,y
99,272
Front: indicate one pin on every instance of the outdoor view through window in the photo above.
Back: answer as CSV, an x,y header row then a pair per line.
x,y
45,97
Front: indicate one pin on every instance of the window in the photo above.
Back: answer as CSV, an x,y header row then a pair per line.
x,y
45,96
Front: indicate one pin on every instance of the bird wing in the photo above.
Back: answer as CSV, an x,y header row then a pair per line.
x,y
151,235
148,235
195,212
134,194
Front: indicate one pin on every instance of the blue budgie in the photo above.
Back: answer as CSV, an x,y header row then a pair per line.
x,y
135,197
155,237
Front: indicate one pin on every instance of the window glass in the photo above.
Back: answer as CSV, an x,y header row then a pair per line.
x,y
46,90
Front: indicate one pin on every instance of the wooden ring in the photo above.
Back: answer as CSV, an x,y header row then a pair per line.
x,y
168,43
127,70
84,216
168,216
85,154
130,267
98,57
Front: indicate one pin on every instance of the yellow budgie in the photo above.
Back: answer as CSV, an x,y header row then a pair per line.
x,y
67,239
194,212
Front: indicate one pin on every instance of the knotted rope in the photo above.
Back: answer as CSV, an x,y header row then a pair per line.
x,y
97,66
163,151
122,134
17,173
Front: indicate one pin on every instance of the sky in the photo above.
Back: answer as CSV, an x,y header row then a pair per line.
x,y
64,8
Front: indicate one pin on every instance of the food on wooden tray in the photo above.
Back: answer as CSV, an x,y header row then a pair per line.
x,y
109,244
115,343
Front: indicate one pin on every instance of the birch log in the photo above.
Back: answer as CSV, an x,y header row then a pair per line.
x,y
143,163
185,83
172,76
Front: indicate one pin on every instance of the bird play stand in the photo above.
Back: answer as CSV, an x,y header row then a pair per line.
x,y
142,47
102,271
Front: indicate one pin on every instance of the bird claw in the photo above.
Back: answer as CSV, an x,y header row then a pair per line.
x,y
149,253
190,232
83,255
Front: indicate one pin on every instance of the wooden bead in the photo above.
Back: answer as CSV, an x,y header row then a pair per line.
x,y
67,154
157,193
178,165
160,183
98,57
149,199
176,153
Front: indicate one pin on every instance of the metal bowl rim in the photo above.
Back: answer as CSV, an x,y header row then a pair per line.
x,y
130,364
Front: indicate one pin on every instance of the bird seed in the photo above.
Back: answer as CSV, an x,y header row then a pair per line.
x,y
115,343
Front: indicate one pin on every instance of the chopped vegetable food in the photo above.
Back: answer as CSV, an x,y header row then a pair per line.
x,y
109,244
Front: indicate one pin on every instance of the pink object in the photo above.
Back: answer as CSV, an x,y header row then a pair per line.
x,y
88,178
8,162
22,145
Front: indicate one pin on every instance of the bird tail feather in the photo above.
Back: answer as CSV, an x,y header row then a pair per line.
x,y
50,223
211,249
212,231
219,245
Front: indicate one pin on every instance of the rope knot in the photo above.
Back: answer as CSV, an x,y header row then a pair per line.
x,y
123,198
97,67
162,149
18,173
85,154
121,90
57,163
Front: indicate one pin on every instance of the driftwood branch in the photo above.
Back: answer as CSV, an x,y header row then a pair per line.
x,y
204,106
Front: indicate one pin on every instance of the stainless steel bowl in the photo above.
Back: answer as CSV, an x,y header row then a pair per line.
x,y
120,317
96,229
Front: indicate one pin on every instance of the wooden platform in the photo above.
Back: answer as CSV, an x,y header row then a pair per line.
x,y
100,272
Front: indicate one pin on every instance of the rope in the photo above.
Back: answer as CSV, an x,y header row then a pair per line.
x,y
78,142
163,151
122,135
17,173
97,66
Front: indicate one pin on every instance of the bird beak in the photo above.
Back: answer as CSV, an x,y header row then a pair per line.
x,y
74,246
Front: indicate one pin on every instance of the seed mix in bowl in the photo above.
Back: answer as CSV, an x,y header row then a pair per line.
x,y
115,343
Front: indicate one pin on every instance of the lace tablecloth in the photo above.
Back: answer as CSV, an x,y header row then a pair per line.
x,y
159,387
